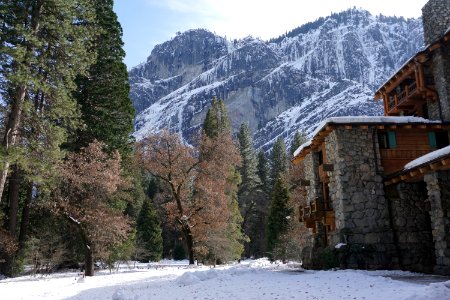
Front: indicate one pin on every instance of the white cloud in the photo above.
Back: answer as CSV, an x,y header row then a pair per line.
x,y
270,18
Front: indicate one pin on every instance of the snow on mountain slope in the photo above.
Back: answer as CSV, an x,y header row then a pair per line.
x,y
330,67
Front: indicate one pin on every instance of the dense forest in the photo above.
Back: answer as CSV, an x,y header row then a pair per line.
x,y
76,190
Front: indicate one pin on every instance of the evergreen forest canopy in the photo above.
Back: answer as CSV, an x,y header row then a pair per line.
x,y
75,188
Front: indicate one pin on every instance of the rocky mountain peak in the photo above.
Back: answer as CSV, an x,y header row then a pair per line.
x,y
325,68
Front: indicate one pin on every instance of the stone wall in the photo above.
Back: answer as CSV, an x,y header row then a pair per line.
x,y
412,226
438,186
434,110
358,199
436,22
311,165
436,19
441,73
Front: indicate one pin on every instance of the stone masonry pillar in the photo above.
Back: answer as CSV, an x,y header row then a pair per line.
x,y
436,22
438,186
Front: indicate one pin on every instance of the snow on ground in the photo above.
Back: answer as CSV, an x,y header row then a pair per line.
x,y
253,279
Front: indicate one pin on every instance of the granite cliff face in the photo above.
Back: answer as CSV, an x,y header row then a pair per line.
x,y
330,67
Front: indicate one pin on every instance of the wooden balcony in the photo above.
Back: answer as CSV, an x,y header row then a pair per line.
x,y
317,211
407,99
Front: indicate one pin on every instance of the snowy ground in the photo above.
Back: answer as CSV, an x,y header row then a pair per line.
x,y
249,280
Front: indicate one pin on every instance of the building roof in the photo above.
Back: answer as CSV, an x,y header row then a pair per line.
x,y
326,127
427,158
420,56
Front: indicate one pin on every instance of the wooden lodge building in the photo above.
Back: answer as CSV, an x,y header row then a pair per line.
x,y
378,188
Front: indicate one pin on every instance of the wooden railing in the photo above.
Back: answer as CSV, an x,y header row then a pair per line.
x,y
402,96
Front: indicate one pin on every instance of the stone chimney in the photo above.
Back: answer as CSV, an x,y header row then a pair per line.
x,y
436,19
436,22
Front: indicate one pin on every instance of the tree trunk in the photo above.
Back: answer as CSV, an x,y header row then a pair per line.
x,y
25,217
189,243
9,139
13,200
88,261
13,122
13,210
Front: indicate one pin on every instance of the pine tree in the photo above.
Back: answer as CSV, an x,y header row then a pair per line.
x,y
264,171
40,43
44,46
278,163
279,212
252,199
298,140
103,95
149,232
249,167
216,121
106,110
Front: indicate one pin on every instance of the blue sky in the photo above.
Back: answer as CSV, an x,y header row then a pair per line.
x,y
147,23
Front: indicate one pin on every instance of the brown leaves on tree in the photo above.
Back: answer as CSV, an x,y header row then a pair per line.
x,y
196,182
88,182
8,243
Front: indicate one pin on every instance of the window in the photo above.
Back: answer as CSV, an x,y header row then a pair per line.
x,y
320,156
432,139
387,140
438,140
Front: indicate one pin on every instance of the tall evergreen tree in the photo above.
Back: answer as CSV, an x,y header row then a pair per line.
x,y
149,232
41,42
106,110
298,140
278,163
103,95
216,121
277,222
44,46
252,198
249,167
264,171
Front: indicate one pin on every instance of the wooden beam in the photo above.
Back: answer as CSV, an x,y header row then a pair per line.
x,y
445,162
404,177
435,166
413,174
348,127
435,46
389,182
322,134
364,126
425,169
392,126
407,126
380,126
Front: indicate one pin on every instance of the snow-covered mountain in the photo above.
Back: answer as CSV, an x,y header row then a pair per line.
x,y
330,67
